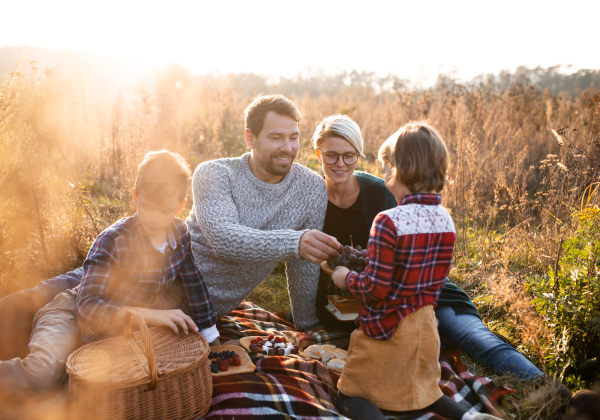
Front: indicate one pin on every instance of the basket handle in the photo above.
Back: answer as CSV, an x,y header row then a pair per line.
x,y
147,341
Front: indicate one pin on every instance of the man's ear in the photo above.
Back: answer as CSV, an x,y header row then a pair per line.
x,y
250,139
182,205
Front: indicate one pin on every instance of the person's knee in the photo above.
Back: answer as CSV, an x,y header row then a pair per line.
x,y
44,374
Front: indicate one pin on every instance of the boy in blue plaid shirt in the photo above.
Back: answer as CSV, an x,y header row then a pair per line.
x,y
143,262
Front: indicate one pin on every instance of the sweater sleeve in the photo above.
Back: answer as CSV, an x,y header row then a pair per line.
x,y
302,275
217,217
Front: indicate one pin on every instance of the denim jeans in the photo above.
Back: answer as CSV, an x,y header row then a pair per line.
x,y
55,336
468,333
17,312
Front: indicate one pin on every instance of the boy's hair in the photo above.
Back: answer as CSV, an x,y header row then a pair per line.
x,y
339,125
256,112
418,157
161,175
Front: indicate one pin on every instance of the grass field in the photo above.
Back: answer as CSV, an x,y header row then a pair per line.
x,y
524,168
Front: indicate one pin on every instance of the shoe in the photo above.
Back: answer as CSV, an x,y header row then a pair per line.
x,y
584,405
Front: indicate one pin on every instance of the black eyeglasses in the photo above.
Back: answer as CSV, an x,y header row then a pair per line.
x,y
331,158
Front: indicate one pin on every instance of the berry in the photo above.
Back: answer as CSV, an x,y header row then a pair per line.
x,y
253,347
224,367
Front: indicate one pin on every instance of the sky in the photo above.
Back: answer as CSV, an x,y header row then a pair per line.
x,y
416,39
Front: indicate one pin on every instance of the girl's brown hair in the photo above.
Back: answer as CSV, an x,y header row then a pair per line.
x,y
418,157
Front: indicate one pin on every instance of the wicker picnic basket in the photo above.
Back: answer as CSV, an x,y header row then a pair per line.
x,y
150,374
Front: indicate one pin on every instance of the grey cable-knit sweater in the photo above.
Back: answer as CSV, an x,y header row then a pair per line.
x,y
241,227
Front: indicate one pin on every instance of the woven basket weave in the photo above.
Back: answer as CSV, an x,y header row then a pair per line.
x,y
150,374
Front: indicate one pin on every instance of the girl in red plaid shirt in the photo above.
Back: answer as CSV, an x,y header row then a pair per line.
x,y
393,358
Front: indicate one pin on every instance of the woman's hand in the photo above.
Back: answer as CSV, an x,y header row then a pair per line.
x,y
339,276
216,342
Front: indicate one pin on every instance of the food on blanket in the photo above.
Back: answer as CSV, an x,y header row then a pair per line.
x,y
355,259
333,357
341,353
222,360
235,357
328,356
337,365
315,351
269,346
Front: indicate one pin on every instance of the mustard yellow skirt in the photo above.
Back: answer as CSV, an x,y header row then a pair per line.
x,y
398,374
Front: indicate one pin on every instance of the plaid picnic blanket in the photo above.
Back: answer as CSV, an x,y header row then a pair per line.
x,y
305,389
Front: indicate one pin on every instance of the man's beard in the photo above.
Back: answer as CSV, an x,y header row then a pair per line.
x,y
274,167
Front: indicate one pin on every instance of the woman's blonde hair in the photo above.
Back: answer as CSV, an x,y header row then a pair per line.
x,y
418,157
339,125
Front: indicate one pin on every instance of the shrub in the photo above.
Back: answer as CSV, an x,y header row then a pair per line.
x,y
568,297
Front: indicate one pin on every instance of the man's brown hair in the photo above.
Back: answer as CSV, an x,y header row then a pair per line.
x,y
418,157
161,175
256,112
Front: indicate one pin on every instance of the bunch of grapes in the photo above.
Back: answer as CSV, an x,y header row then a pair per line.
x,y
355,259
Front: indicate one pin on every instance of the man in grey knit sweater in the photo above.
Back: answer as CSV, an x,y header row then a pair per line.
x,y
249,214
257,210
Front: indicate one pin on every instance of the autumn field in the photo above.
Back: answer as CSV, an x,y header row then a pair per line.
x,y
525,169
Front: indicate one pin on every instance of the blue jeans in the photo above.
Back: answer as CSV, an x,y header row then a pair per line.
x,y
468,333
17,312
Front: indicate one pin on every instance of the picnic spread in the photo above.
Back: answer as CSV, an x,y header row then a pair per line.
x,y
297,386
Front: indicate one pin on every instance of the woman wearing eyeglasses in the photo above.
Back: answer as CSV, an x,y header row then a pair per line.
x,y
355,198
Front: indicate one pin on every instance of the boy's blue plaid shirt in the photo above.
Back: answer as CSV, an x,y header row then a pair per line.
x,y
124,269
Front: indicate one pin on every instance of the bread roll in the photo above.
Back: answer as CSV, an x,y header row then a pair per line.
x,y
315,351
337,365
341,353
328,356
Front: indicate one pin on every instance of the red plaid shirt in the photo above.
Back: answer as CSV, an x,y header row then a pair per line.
x,y
410,251
124,269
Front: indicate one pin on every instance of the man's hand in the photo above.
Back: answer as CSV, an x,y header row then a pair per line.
x,y
175,319
339,276
316,246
